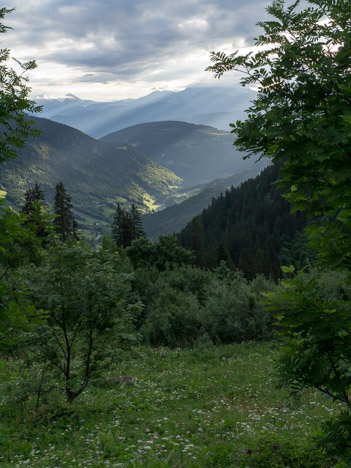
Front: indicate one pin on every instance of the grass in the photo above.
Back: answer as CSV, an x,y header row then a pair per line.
x,y
206,407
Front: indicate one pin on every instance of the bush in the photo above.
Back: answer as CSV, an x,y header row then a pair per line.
x,y
233,312
187,305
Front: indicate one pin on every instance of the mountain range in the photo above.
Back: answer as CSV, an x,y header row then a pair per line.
x,y
198,105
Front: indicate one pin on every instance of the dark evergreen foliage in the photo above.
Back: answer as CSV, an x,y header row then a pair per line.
x,y
250,227
126,226
32,195
65,224
35,211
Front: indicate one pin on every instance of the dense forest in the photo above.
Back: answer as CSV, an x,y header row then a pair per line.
x,y
251,228
229,352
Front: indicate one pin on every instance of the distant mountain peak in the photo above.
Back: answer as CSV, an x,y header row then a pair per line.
x,y
72,96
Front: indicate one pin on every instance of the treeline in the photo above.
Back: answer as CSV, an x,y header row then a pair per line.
x,y
68,310
250,228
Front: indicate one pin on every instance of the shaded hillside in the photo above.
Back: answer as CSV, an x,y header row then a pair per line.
x,y
196,105
175,217
250,227
95,173
196,153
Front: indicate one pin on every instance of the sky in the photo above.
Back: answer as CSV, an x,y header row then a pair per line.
x,y
108,50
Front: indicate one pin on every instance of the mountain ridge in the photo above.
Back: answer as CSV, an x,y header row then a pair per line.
x,y
196,153
95,173
198,105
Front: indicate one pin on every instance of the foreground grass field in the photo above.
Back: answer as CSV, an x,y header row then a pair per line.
x,y
210,407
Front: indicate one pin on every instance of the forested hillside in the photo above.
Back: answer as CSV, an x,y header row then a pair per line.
x,y
189,202
196,153
97,174
251,228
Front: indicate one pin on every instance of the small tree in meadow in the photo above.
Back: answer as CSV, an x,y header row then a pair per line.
x,y
88,318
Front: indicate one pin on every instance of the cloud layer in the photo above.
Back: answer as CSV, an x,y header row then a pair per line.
x,y
138,44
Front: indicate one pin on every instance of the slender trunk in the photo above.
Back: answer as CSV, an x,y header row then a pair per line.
x,y
72,395
40,387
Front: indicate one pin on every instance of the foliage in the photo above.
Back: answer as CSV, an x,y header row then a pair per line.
x,y
18,245
126,226
248,227
88,318
32,195
65,224
313,312
36,213
18,240
185,305
173,320
15,127
301,115
232,311
301,118
165,253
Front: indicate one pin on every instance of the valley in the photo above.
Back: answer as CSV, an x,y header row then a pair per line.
x,y
155,166
165,302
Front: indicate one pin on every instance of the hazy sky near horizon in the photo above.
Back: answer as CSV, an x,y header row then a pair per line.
x,y
117,49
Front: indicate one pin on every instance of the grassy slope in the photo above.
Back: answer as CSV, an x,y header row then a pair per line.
x,y
215,407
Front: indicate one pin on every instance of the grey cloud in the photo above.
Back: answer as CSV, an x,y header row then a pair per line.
x,y
128,36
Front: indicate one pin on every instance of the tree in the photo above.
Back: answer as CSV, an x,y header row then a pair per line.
x,y
163,254
302,115
64,222
18,245
126,226
138,230
15,127
116,227
35,211
88,317
32,195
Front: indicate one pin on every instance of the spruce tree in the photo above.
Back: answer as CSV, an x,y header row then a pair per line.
x,y
126,226
31,196
137,223
35,210
116,227
65,224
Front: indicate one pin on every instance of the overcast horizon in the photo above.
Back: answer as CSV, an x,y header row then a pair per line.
x,y
107,50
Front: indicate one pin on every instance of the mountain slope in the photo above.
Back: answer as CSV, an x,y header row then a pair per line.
x,y
196,153
195,105
96,174
174,218
251,228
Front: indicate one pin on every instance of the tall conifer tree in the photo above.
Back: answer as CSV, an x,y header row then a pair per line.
x,y
65,224
35,210
126,226
31,196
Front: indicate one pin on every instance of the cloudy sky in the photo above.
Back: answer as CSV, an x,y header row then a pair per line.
x,y
117,49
